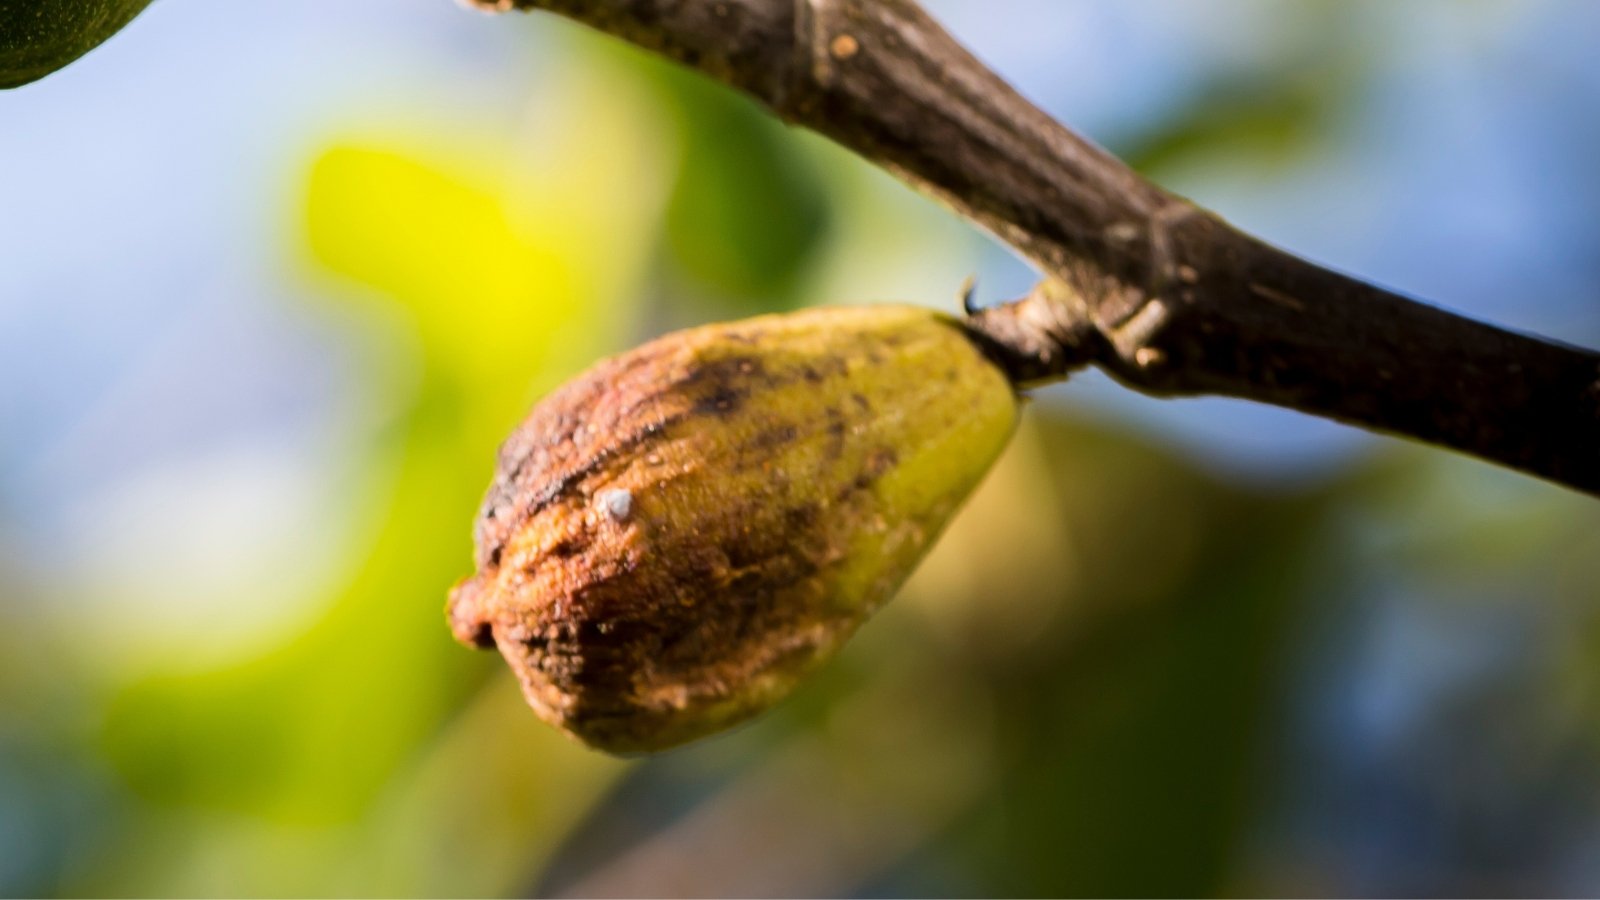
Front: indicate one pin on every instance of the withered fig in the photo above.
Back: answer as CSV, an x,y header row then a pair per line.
x,y
676,536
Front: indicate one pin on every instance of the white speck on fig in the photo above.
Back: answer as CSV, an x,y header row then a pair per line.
x,y
617,503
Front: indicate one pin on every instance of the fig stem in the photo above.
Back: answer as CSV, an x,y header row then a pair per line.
x,y
1165,296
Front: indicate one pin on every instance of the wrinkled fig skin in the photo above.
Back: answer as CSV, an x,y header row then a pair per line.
x,y
38,37
679,534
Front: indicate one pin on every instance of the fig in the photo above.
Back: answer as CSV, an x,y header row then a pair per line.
x,y
38,37
674,538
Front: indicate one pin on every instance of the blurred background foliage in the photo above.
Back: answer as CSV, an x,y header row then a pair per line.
x,y
263,329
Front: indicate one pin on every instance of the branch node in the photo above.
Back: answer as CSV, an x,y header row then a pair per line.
x,y
1040,337
1139,331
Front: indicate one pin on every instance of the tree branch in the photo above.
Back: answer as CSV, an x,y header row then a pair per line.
x,y
1165,296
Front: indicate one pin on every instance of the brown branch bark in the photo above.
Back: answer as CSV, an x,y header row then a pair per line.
x,y
1164,295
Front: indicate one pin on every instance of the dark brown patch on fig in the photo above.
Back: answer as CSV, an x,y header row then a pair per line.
x,y
881,460
722,401
774,437
799,518
569,546
837,430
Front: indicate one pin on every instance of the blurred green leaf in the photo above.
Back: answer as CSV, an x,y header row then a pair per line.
x,y
748,209
1271,121
1132,731
290,756
1268,112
